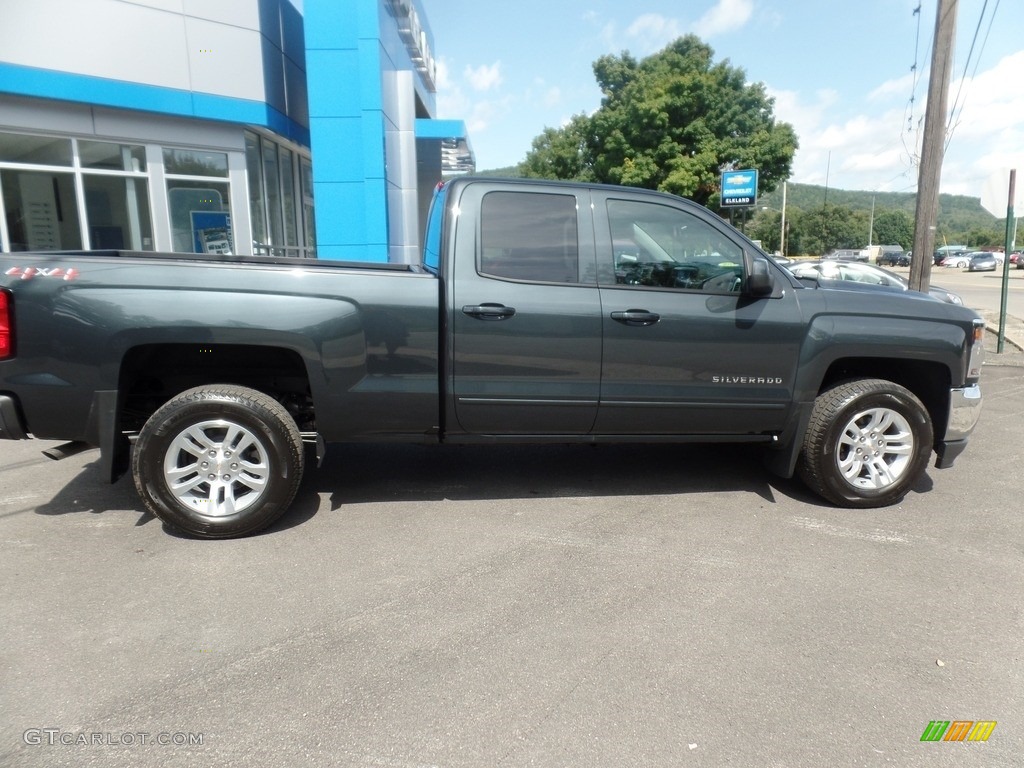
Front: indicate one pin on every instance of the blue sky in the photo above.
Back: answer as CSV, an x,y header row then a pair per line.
x,y
840,72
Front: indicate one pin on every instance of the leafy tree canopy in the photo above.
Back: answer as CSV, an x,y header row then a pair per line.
x,y
673,122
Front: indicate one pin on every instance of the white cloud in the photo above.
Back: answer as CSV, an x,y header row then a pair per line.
x,y
987,135
726,16
650,32
899,88
654,31
484,77
870,149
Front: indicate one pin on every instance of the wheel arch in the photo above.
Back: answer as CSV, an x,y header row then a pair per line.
x,y
151,374
929,381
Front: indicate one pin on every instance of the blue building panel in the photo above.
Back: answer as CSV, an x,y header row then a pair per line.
x,y
336,93
332,24
339,147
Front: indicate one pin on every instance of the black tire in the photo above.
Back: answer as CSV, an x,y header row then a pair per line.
x,y
867,444
218,461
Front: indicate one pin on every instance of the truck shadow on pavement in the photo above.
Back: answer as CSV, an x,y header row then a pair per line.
x,y
363,474
356,474
87,493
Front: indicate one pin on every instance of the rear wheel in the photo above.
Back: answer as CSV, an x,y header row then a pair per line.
x,y
218,461
867,443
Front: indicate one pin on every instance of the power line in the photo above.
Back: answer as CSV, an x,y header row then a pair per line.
x,y
958,106
911,150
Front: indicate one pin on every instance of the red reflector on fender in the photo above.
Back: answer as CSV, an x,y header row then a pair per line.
x,y
5,325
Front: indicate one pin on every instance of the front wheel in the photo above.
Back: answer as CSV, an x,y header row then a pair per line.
x,y
867,443
218,461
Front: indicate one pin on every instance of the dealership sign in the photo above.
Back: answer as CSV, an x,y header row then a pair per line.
x,y
739,188
411,30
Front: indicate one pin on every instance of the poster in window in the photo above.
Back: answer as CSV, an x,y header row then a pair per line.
x,y
211,232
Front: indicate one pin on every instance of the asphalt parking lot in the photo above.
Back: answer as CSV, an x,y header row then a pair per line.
x,y
576,606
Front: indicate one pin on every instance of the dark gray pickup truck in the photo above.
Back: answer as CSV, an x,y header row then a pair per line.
x,y
541,312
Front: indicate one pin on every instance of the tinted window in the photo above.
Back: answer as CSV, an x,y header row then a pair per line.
x,y
529,236
659,246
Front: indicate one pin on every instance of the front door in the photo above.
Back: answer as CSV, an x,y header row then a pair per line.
x,y
685,352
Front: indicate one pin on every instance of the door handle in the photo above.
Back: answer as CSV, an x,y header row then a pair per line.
x,y
488,311
636,317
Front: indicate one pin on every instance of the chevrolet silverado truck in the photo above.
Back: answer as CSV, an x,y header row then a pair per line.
x,y
540,312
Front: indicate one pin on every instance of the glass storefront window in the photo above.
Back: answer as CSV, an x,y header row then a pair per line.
x,y
273,181
200,216
40,210
308,210
104,155
71,193
257,203
34,150
291,236
281,211
117,213
191,162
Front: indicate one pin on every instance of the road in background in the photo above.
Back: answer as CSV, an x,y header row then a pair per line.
x,y
980,290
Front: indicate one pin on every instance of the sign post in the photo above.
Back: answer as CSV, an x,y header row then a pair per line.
x,y
991,201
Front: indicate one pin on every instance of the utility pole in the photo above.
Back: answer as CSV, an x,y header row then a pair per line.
x,y
926,214
782,227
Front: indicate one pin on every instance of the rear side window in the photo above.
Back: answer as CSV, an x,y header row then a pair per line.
x,y
530,236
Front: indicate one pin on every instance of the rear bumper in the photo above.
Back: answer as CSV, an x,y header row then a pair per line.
x,y
11,427
964,411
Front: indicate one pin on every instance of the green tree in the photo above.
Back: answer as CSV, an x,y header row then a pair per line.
x,y
894,228
673,122
560,154
825,229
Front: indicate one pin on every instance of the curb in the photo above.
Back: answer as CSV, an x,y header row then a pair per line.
x,y
1013,336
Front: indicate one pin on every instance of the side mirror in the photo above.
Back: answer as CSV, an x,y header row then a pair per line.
x,y
760,281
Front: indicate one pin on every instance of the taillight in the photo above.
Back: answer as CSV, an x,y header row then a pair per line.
x,y
6,343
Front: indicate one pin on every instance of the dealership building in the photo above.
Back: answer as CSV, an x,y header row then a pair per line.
x,y
221,126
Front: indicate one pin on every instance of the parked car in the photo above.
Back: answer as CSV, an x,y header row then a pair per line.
x,y
948,250
894,259
866,276
959,260
846,254
982,262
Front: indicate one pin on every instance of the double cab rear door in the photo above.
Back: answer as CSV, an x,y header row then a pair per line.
x,y
600,311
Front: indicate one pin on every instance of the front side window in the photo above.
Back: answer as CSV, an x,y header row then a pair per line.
x,y
658,246
529,236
